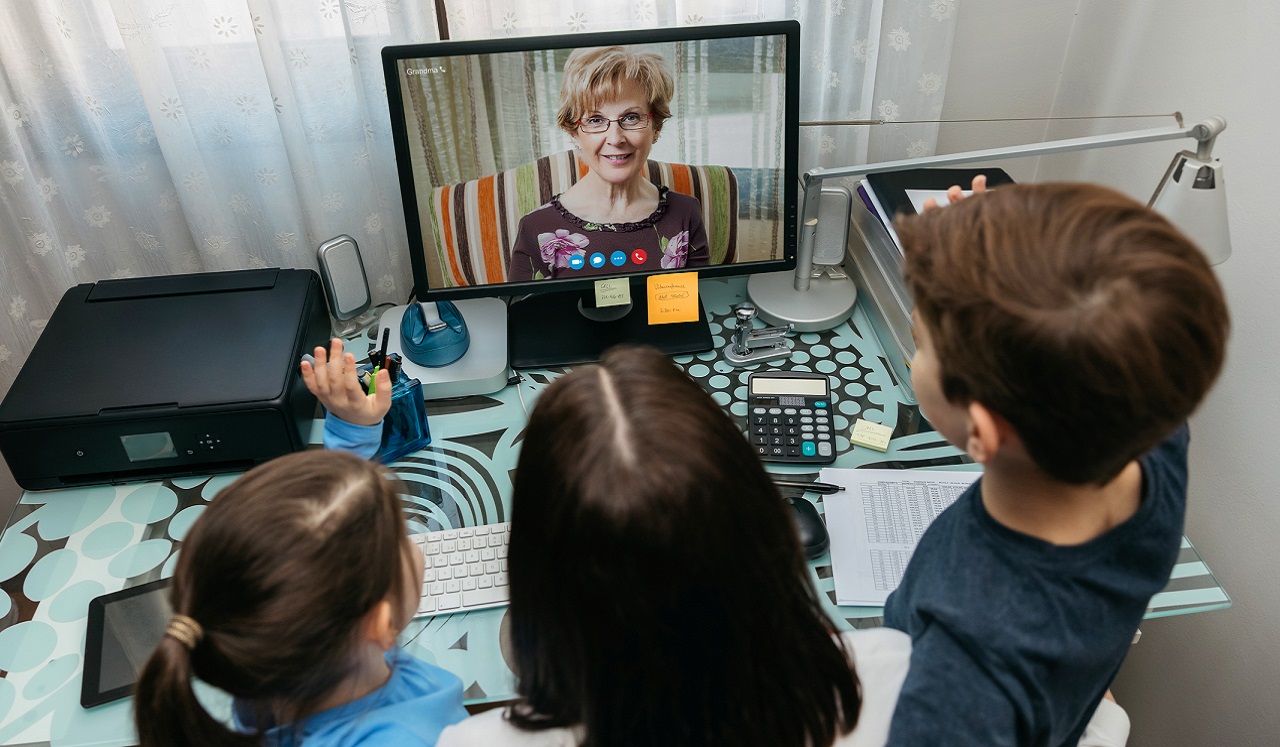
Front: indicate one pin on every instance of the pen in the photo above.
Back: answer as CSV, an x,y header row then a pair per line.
x,y
821,488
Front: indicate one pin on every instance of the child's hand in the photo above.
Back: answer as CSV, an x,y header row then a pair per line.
x,y
956,194
332,378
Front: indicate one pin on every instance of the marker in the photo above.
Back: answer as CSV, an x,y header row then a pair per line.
x,y
821,488
373,381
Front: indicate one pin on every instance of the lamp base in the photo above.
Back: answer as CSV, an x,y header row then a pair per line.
x,y
828,302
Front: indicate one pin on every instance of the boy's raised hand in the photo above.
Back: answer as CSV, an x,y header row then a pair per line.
x,y
956,194
332,378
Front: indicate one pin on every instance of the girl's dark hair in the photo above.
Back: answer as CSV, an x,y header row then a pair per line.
x,y
658,591
278,571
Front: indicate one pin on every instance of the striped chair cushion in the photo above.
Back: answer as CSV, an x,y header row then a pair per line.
x,y
474,223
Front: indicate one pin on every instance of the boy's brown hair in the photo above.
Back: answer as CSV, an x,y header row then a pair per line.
x,y
1081,316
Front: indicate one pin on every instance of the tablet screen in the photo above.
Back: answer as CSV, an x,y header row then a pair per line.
x,y
124,628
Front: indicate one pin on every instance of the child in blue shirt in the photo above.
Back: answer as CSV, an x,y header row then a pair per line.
x,y
1064,333
289,594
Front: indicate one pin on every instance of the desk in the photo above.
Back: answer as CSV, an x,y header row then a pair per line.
x,y
63,548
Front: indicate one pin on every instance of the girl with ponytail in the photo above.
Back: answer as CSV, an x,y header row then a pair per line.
x,y
289,594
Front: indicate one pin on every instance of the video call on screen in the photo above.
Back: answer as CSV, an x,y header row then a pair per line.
x,y
485,149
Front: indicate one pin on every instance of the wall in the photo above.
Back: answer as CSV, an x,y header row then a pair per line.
x,y
1211,678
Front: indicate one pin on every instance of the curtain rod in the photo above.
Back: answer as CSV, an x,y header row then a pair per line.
x,y
863,122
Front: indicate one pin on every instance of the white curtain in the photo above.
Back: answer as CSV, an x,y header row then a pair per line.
x,y
147,137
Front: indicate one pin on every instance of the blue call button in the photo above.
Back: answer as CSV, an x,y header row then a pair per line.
x,y
618,258
576,261
597,260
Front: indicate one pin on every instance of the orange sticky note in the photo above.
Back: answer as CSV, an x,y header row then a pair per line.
x,y
673,298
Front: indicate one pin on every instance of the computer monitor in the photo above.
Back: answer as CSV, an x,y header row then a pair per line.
x,y
486,151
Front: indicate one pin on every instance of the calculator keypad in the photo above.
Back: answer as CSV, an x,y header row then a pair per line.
x,y
792,429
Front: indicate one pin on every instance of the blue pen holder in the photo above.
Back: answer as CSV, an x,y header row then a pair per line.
x,y
404,429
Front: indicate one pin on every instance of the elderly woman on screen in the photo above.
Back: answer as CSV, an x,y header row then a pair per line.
x,y
613,103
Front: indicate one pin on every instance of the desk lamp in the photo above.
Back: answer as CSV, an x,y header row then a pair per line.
x,y
1192,195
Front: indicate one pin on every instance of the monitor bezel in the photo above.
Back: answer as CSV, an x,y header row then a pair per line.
x,y
393,54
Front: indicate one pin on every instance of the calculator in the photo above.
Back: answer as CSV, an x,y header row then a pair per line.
x,y
789,417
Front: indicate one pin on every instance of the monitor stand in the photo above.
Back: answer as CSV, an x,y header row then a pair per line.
x,y
565,329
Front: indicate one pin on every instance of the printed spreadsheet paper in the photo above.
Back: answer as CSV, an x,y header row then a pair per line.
x,y
876,521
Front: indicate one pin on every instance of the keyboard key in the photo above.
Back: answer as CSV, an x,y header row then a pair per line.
x,y
468,584
485,596
426,605
485,582
452,586
449,601
500,579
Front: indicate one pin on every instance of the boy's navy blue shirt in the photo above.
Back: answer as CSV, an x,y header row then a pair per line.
x,y
1015,640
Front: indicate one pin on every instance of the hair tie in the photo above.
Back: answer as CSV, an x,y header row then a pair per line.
x,y
185,630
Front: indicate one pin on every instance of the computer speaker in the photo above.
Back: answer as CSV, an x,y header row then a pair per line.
x,y
834,204
345,285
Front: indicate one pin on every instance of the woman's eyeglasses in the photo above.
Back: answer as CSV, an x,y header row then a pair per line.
x,y
629,121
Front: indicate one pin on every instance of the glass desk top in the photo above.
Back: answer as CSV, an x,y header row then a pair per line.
x,y
60,549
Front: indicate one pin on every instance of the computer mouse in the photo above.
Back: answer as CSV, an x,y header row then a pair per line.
x,y
813,532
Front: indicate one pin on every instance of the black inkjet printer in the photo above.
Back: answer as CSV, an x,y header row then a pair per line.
x,y
146,378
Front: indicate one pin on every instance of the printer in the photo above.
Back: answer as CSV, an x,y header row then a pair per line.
x,y
146,378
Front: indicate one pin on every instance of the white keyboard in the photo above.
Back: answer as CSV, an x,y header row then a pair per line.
x,y
465,569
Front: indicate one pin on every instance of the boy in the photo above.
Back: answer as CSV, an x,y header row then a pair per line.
x,y
1064,333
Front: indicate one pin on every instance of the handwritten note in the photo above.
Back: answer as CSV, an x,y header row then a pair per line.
x,y
673,298
615,292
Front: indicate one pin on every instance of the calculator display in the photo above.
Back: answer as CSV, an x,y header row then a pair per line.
x,y
801,387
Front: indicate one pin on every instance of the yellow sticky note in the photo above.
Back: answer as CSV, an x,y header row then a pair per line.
x,y
673,298
615,292
871,435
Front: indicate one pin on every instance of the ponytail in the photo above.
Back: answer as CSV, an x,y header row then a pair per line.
x,y
166,710
315,530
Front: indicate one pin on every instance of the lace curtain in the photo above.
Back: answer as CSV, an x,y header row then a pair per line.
x,y
146,137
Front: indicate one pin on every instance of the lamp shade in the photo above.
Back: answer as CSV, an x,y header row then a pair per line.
x,y
1193,196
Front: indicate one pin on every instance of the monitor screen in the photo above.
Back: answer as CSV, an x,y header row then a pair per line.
x,y
520,159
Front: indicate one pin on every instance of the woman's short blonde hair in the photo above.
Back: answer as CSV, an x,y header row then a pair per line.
x,y
595,76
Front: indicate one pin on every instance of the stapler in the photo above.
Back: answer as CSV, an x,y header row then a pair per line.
x,y
751,346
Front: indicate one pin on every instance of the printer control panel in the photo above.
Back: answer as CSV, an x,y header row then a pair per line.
x,y
126,450
207,442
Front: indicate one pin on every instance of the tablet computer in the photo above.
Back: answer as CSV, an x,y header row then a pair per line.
x,y
124,628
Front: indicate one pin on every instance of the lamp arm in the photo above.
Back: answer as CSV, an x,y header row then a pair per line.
x,y
1200,132
811,181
